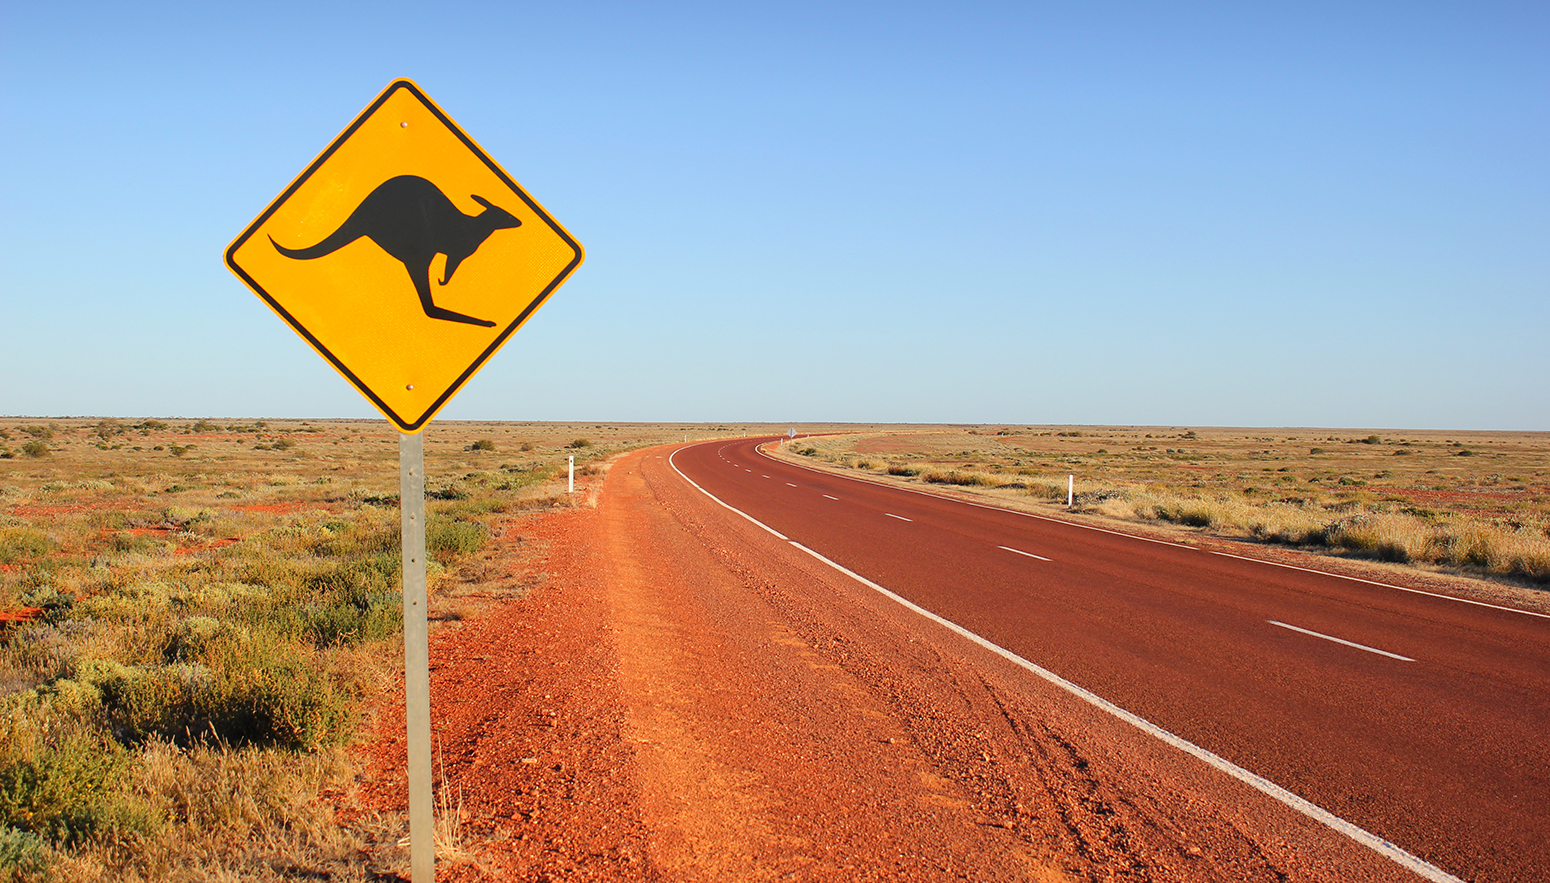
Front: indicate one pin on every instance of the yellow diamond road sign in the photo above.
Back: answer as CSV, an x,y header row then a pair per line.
x,y
404,255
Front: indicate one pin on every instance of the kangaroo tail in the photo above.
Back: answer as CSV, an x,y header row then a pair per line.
x,y
330,244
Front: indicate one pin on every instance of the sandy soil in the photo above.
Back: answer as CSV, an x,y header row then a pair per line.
x,y
682,699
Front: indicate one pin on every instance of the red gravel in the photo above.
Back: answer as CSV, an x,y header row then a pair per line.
x,y
683,699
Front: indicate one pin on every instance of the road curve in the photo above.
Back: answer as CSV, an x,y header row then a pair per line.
x,y
1421,719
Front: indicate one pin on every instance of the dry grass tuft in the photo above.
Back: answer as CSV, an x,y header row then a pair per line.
x,y
1476,503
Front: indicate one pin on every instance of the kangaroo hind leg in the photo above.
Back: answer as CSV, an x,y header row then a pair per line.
x,y
421,274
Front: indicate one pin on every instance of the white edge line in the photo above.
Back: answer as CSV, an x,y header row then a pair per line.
x,y
1021,552
1132,536
900,517
1373,582
832,498
1342,641
1377,844
713,497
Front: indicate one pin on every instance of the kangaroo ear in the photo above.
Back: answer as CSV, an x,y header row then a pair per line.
x,y
482,201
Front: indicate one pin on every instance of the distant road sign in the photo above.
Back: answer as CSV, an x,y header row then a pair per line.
x,y
404,255
792,432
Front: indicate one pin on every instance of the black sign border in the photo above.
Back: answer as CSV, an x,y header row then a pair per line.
x,y
500,340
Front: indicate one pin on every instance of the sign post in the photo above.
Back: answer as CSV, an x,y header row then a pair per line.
x,y
417,676
406,256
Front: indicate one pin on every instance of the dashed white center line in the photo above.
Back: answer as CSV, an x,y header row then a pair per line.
x,y
900,517
766,476
1021,552
1343,641
789,484
832,498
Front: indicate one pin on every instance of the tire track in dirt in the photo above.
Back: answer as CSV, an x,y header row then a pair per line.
x,y
760,758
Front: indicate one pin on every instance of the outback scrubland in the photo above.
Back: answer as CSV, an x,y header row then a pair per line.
x,y
1470,503
197,616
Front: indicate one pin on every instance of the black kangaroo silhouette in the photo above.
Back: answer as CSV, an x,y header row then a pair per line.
x,y
412,220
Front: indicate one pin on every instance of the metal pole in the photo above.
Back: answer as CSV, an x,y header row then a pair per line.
x,y
417,678
570,484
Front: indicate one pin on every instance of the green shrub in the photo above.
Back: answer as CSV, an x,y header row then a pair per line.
x,y
243,691
127,541
61,792
19,543
903,470
23,854
482,444
190,638
1194,513
356,602
446,539
515,479
360,539
960,479
35,449
369,617
56,605
106,429
580,443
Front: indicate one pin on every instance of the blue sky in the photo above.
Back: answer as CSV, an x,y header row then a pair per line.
x,y
1176,214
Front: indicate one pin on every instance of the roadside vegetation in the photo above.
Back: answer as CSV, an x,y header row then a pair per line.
x,y
1477,504
197,619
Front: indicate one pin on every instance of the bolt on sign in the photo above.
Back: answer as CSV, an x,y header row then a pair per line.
x,y
404,255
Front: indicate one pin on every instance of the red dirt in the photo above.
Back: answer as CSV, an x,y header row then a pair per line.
x,y
528,727
25,614
205,547
1476,501
683,699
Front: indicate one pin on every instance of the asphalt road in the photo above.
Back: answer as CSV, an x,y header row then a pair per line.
x,y
1420,719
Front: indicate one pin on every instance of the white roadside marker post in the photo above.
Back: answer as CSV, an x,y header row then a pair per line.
x,y
417,676
1070,490
570,484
